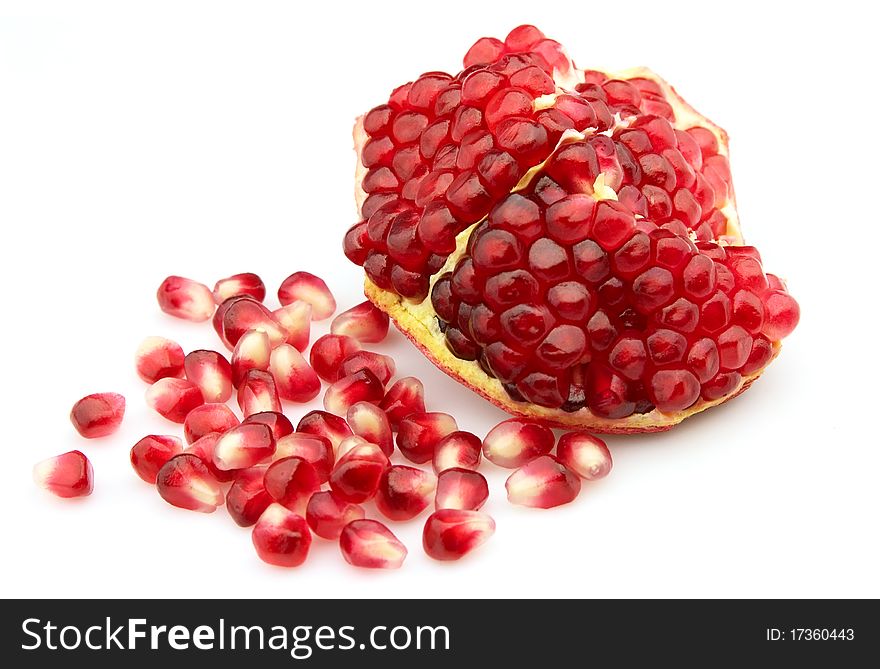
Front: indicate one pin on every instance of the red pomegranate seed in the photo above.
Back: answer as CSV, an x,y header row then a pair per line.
x,y
277,422
174,398
246,283
291,482
419,434
364,322
459,488
203,449
458,450
381,365
281,537
211,372
450,534
243,446
542,483
67,475
185,298
333,428
151,453
369,544
158,358
98,415
247,499
296,319
516,441
328,352
308,288
315,450
184,481
252,351
782,315
368,421
206,419
406,396
404,492
356,475
585,455
295,380
242,314
362,386
327,515
258,393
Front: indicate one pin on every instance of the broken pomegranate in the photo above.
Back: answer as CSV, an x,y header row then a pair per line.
x,y
186,482
450,534
281,537
98,415
368,543
327,515
157,358
66,475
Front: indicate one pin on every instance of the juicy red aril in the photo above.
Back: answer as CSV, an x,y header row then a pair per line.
x,y
355,477
364,322
311,289
328,352
349,443
296,319
328,515
542,483
185,298
368,421
405,396
294,379
98,415
362,386
150,453
247,499
252,351
369,544
291,482
450,534
515,441
258,393
585,455
457,449
157,358
333,428
243,314
174,398
203,449
782,315
462,489
315,450
381,365
246,283
66,475
186,482
419,434
281,537
277,422
404,492
243,446
206,419
211,372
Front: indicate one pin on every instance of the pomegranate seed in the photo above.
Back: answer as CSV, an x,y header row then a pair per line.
x,y
542,483
206,419
450,534
514,442
458,450
158,358
184,481
291,482
242,314
369,544
98,415
364,322
459,488
783,314
328,352
362,386
355,478
308,288
239,284
404,492
370,422
277,422
296,319
185,298
585,455
333,428
315,450
203,449
327,515
252,351
151,453
419,434
258,393
211,372
247,498
295,380
243,446
381,365
174,398
349,443
406,396
67,475
281,537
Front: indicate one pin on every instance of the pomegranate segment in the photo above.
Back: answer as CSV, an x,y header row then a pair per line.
x,y
252,351
186,482
327,515
294,379
362,386
405,397
291,482
157,358
514,442
277,422
296,319
247,499
356,476
281,537
310,289
585,455
246,283
67,475
381,365
150,453
459,488
328,353
542,483
450,534
404,492
206,419
174,398
368,421
333,428
458,450
369,544
98,415
244,446
364,322
185,298
258,393
419,434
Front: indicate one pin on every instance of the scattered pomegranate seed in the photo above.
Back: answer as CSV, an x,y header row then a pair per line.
x,y
258,393
328,352
252,351
186,482
244,446
239,284
203,449
370,422
355,477
296,319
406,396
174,398
277,422
459,488
362,386
327,515
315,450
308,288
185,298
158,358
514,442
295,380
458,449
542,483
67,475
333,428
585,455
281,537
98,415
291,482
369,544
206,419
450,534
211,372
381,365
242,314
404,492
364,322
151,453
247,499
419,434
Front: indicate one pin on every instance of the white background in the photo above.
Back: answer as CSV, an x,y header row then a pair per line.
x,y
139,140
